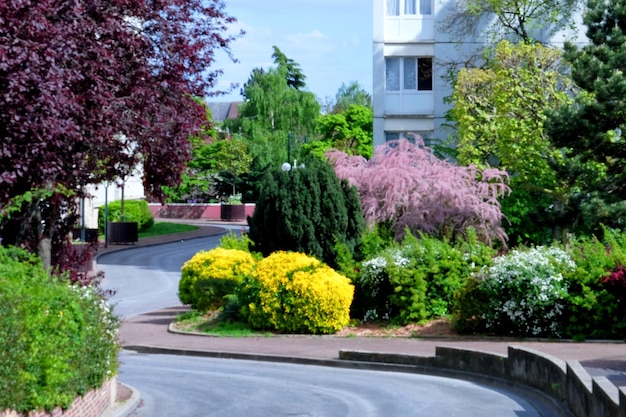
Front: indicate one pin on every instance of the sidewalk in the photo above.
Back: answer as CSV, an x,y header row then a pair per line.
x,y
150,333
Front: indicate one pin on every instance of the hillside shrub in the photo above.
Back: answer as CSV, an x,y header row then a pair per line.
x,y
523,293
134,211
58,340
294,293
306,210
595,306
416,279
209,276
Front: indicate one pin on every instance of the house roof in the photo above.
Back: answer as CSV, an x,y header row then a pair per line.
x,y
224,110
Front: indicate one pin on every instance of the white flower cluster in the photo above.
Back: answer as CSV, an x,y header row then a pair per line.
x,y
527,290
110,323
373,271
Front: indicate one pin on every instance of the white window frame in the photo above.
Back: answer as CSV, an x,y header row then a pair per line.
x,y
397,8
401,81
408,135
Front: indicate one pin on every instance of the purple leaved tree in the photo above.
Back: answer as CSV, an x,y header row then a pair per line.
x,y
89,89
407,185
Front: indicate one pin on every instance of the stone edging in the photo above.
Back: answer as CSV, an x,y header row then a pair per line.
x,y
573,390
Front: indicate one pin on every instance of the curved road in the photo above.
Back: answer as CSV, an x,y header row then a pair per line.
x,y
146,279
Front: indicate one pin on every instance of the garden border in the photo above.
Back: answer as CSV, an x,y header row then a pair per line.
x,y
568,383
93,404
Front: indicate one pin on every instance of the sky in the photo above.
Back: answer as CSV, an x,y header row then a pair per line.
x,y
331,40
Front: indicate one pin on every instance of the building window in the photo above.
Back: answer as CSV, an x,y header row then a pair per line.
x,y
409,74
409,7
393,7
410,136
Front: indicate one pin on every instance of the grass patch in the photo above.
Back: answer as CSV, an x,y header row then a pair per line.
x,y
167,228
211,323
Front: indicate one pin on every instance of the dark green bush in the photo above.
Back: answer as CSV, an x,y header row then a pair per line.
x,y
134,211
306,210
58,340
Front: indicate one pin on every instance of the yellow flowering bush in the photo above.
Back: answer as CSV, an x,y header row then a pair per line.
x,y
211,275
292,292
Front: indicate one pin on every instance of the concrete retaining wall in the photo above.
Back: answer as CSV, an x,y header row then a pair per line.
x,y
566,382
92,404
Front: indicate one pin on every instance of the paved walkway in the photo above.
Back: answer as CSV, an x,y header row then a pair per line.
x,y
149,332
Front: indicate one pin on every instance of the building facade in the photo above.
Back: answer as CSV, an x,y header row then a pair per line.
x,y
414,47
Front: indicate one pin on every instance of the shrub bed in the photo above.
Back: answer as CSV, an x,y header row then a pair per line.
x,y
134,211
209,276
416,280
293,292
58,340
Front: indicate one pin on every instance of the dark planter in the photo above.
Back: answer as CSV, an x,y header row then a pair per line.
x,y
233,212
122,232
91,235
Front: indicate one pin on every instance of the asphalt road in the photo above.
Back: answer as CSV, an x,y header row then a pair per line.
x,y
192,387
146,279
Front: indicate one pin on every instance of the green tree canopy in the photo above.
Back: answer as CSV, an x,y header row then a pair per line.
x,y
350,94
350,132
500,111
295,76
273,109
518,20
592,128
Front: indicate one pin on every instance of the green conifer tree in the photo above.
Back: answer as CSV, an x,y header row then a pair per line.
x,y
307,209
592,130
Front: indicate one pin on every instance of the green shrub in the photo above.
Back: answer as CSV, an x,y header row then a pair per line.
x,y
134,211
209,276
292,292
306,210
58,340
416,279
522,294
592,309
240,242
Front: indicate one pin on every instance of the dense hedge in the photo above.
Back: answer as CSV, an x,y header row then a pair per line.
x,y
134,211
306,210
58,340
209,276
295,293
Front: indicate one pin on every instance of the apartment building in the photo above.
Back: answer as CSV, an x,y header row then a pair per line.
x,y
414,48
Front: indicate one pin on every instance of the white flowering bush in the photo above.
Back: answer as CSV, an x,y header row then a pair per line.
x,y
416,280
374,286
525,292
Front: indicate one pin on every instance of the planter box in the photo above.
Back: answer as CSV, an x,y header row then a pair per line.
x,y
122,232
91,235
233,212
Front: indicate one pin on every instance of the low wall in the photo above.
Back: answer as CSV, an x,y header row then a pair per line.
x,y
92,404
208,211
566,382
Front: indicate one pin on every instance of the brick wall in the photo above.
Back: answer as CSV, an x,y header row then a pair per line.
x,y
92,404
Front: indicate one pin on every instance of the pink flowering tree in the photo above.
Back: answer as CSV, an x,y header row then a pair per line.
x,y
407,186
